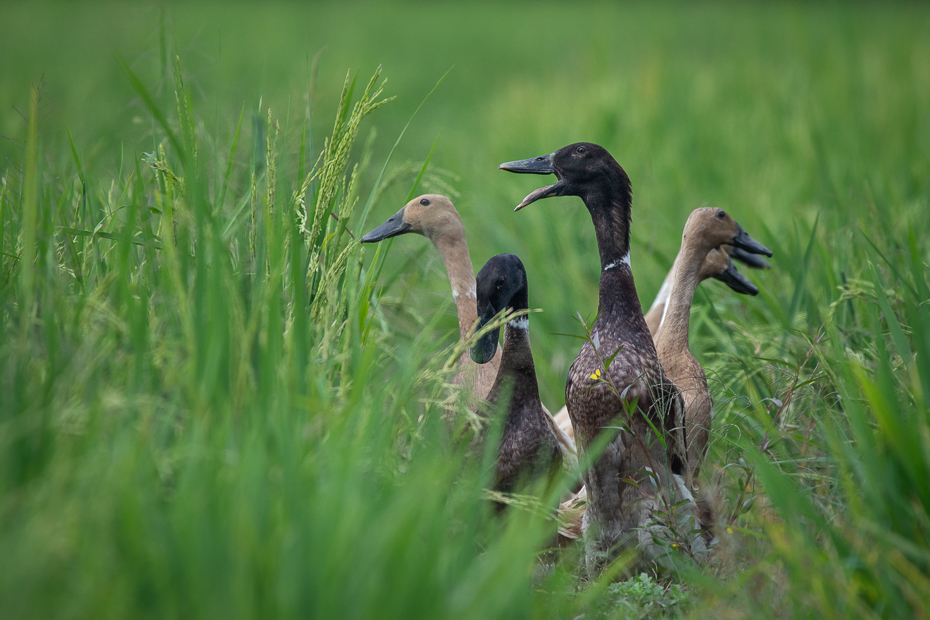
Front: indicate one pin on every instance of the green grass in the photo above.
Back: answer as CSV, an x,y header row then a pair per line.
x,y
214,402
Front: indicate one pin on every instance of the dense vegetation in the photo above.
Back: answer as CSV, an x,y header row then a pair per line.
x,y
215,402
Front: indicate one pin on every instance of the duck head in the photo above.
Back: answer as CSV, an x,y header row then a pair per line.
x,y
582,169
718,265
709,227
430,215
501,284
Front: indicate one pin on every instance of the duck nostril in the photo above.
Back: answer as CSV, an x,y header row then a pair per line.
x,y
540,158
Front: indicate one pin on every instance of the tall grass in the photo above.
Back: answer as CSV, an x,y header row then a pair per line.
x,y
214,402
198,418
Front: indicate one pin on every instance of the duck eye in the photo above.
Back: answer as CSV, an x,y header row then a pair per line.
x,y
721,214
424,202
581,149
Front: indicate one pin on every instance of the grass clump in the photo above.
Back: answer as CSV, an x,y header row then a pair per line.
x,y
644,597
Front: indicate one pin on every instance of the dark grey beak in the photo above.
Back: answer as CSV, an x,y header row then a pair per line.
x,y
736,281
535,165
486,346
750,260
395,225
743,241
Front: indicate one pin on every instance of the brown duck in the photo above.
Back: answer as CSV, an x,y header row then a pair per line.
x,y
704,229
635,463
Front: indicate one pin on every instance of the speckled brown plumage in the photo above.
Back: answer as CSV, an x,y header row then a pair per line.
x,y
717,265
593,405
528,449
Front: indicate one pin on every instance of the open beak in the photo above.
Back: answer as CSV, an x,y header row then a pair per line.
x,y
395,225
750,260
535,165
743,241
736,281
486,346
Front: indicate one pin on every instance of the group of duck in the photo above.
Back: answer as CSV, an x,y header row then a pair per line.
x,y
634,378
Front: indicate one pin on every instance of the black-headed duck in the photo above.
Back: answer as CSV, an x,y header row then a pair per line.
x,y
598,397
529,448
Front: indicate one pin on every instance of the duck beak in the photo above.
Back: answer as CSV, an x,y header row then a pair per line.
x,y
750,260
395,225
535,165
743,241
737,281
486,346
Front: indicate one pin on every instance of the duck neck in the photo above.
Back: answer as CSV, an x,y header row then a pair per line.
x,y
673,329
517,359
665,290
454,252
610,213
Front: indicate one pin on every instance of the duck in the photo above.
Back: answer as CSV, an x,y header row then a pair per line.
x,y
632,389
436,218
529,448
707,228
717,264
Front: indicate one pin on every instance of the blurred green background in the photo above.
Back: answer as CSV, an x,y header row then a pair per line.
x,y
176,441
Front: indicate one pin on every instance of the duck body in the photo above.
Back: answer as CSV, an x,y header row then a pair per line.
x,y
529,449
594,404
632,390
704,228
716,265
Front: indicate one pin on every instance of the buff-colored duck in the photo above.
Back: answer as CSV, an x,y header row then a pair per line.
x,y
435,217
706,229
718,264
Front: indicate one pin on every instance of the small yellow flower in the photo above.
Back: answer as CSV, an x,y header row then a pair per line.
x,y
597,375
729,530
674,545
